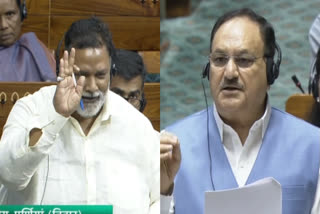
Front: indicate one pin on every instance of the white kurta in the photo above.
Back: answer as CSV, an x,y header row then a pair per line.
x,y
117,163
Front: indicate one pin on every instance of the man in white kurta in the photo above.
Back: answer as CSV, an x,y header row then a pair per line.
x,y
54,152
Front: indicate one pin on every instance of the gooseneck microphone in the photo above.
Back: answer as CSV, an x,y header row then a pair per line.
x,y
297,83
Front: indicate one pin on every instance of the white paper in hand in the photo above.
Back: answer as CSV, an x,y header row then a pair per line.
x,y
263,196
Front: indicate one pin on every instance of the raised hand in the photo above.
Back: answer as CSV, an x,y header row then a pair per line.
x,y
170,159
68,96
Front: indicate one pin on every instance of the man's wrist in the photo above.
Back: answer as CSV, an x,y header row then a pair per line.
x,y
169,191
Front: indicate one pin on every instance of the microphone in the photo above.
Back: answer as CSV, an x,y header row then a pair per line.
x,y
297,83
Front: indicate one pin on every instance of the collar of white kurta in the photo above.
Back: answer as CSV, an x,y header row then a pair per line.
x,y
104,115
107,108
261,124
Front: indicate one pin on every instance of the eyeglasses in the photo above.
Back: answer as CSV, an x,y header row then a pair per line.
x,y
242,61
135,101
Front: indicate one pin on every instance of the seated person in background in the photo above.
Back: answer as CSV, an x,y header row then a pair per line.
x,y
128,78
240,138
314,41
315,90
25,58
81,143
314,37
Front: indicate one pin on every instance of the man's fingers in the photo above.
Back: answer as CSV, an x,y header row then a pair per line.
x,y
168,138
164,148
67,72
61,68
176,152
166,156
71,59
75,67
80,85
81,81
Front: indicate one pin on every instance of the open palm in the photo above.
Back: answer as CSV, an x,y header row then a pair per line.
x,y
68,96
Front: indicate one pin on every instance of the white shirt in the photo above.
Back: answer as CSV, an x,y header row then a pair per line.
x,y
241,157
117,163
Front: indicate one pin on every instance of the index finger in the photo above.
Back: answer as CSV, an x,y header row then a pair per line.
x,y
64,65
71,59
61,68
168,138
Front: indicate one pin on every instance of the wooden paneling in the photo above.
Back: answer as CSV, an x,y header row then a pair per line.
x,y
132,33
133,24
300,105
13,91
38,7
105,8
151,60
152,110
177,8
37,24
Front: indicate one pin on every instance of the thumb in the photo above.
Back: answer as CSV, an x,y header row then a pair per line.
x,y
80,85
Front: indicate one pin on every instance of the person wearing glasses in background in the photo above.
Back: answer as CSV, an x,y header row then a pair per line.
x,y
240,138
128,78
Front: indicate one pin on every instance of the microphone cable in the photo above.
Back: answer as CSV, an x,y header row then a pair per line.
x,y
45,184
210,157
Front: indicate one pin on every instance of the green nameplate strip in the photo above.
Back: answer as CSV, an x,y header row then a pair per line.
x,y
56,209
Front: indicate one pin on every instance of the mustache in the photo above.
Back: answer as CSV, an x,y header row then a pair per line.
x,y
231,84
95,94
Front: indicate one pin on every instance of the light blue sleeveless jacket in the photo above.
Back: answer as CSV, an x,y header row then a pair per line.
x,y
290,153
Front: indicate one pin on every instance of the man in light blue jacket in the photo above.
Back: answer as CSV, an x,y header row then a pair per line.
x,y
241,138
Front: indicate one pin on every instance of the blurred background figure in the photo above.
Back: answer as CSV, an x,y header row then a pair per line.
x,y
128,78
315,90
23,58
314,41
314,37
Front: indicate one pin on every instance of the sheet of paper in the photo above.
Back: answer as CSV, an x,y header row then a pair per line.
x,y
263,196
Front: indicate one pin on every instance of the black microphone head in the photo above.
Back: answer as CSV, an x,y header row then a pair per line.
x,y
297,82
295,79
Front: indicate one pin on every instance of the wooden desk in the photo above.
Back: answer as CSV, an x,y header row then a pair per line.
x,y
300,105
